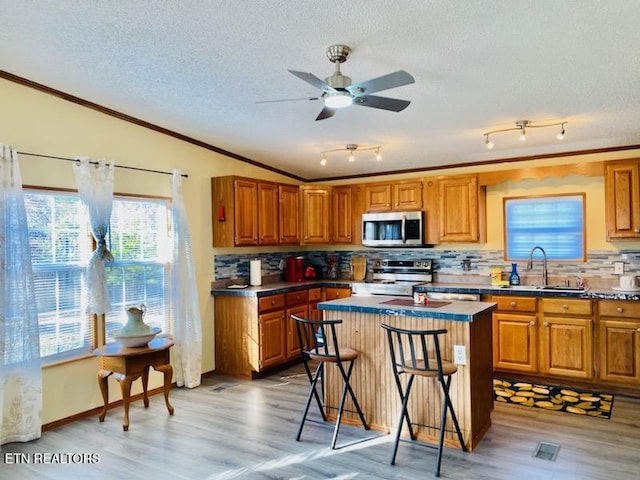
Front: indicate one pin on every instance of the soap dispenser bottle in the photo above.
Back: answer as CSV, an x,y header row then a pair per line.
x,y
514,278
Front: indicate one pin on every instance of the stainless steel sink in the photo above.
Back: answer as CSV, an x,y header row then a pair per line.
x,y
563,288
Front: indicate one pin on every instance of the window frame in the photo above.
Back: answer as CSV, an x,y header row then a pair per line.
x,y
505,201
97,323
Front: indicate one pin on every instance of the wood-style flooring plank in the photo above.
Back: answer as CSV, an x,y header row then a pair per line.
x,y
240,429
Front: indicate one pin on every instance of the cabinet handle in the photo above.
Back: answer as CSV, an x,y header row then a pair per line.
x,y
565,306
545,324
532,323
619,309
513,304
273,302
638,330
637,230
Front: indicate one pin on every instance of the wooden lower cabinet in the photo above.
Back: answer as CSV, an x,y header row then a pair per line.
x,y
272,339
619,341
333,293
515,340
566,338
253,334
296,305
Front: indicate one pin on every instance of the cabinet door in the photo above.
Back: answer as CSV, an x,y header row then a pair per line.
x,y
619,346
566,347
622,200
378,197
289,214
515,342
342,215
272,339
293,347
314,312
407,195
246,212
459,209
267,214
315,215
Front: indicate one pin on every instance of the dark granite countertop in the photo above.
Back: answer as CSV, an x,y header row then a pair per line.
x,y
387,305
528,290
482,289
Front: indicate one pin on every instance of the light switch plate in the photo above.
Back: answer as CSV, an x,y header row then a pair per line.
x,y
618,268
459,355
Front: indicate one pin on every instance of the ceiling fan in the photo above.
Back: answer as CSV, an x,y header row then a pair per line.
x,y
338,91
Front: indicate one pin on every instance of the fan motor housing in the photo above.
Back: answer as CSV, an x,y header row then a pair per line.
x,y
337,80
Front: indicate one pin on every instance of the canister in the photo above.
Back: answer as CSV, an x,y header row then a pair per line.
x,y
496,275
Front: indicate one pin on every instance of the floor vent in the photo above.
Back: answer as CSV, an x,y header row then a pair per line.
x,y
547,451
222,386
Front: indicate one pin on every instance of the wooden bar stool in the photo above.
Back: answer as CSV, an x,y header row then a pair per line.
x,y
319,343
417,352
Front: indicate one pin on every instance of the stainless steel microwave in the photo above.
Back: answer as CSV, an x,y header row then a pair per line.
x,y
393,229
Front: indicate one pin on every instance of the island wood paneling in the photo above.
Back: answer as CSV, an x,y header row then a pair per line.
x,y
374,384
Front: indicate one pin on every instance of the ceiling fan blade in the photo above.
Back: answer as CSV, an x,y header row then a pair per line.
x,y
288,100
384,103
313,80
326,113
391,80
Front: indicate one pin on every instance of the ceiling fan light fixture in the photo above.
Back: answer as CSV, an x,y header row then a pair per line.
x,y
338,99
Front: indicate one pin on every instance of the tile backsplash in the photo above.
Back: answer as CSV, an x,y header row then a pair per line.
x,y
447,263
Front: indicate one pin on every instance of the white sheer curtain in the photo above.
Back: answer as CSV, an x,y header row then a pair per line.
x,y
187,331
20,373
95,186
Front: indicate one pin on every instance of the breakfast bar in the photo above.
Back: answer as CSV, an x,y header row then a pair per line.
x,y
469,328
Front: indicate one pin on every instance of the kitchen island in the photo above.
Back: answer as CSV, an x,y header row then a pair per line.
x,y
468,324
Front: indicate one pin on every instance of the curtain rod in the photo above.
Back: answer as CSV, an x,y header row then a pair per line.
x,y
96,163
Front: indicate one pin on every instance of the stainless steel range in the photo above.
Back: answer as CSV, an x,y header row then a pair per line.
x,y
395,277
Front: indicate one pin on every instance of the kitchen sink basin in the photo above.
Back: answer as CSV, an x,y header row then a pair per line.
x,y
563,288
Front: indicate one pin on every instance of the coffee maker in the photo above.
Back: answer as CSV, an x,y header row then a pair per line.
x,y
294,270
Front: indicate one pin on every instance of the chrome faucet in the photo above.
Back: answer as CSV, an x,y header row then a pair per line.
x,y
544,263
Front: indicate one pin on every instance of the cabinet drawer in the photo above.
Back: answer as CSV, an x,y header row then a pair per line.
x,y
271,302
515,304
297,297
619,308
566,305
333,293
315,294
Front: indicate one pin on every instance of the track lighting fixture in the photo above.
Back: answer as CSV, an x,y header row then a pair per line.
x,y
351,148
522,126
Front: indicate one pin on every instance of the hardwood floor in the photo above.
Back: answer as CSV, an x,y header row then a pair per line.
x,y
235,429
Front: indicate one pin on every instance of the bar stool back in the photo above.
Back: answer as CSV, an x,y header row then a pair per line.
x,y
319,344
417,352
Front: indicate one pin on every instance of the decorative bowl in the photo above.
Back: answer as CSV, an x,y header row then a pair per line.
x,y
137,340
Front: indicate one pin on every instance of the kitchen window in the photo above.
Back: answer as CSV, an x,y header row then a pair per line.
x,y
61,244
555,223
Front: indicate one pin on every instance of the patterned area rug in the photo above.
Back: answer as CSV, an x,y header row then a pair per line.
x,y
553,397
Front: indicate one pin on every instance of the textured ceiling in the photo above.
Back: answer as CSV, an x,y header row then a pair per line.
x,y
199,67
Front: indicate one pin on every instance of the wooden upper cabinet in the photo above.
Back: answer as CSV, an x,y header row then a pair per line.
x,y
407,195
289,214
622,199
462,209
342,214
245,217
315,214
250,212
386,197
267,213
377,197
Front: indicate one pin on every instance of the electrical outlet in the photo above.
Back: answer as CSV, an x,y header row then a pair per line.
x,y
618,268
459,355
